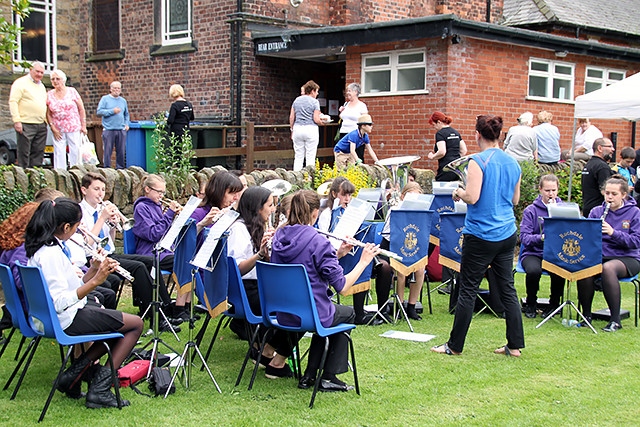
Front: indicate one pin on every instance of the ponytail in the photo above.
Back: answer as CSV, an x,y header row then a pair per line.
x,y
48,220
303,203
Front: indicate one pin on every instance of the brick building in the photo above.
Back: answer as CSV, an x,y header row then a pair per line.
x,y
246,59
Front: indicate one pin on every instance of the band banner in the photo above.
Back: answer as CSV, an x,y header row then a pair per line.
x,y
572,247
451,226
409,238
211,286
442,203
366,234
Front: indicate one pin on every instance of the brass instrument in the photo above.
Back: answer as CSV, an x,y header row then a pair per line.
x,y
355,242
102,242
99,257
459,167
278,187
323,189
167,202
123,222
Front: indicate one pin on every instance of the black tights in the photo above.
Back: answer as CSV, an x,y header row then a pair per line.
x,y
611,271
384,277
120,347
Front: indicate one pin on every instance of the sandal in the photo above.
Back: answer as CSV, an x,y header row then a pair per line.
x,y
444,349
508,352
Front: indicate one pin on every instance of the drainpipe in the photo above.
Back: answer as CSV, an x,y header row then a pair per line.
x,y
238,77
488,16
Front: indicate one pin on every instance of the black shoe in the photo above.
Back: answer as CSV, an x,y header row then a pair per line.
x,y
364,319
445,290
612,327
583,324
274,373
333,384
165,327
548,312
306,382
99,394
180,313
70,381
530,311
411,312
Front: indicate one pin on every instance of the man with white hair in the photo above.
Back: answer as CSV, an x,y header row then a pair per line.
x,y
521,142
114,111
28,107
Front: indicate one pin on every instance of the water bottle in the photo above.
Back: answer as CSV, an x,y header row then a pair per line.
x,y
569,323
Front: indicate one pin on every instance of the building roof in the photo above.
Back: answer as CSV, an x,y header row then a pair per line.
x,y
617,16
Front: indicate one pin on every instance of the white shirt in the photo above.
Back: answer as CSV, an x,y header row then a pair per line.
x,y
350,116
62,281
585,139
89,222
240,246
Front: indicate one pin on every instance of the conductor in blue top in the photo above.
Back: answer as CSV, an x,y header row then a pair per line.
x,y
345,149
493,188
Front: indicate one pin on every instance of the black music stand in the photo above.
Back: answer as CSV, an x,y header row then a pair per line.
x,y
565,246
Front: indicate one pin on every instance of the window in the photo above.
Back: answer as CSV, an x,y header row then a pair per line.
x,y
596,78
106,26
176,22
551,80
394,72
38,39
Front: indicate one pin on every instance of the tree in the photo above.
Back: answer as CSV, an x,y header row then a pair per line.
x,y
10,32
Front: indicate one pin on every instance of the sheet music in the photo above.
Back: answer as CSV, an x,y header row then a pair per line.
x,y
417,201
174,230
202,257
563,210
350,221
444,187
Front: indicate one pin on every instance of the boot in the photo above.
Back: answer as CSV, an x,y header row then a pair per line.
x,y
70,380
411,312
99,394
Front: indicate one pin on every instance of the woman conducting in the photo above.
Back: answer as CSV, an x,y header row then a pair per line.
x,y
493,187
299,243
620,248
52,224
532,238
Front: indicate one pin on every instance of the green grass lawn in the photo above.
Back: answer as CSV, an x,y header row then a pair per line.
x,y
565,376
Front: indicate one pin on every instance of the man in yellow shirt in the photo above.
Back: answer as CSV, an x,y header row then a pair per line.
x,y
28,106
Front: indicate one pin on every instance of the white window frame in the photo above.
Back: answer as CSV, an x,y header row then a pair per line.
x,y
550,75
48,7
176,37
606,80
393,66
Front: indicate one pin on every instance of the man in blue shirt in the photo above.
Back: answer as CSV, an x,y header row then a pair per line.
x,y
115,123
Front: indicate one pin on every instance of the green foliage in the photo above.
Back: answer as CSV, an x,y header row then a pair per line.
x,y
10,200
528,187
576,185
10,32
173,155
356,174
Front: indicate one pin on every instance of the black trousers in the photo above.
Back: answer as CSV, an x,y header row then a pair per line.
x,y
338,354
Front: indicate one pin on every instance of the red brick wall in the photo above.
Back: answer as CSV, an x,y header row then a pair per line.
x,y
474,10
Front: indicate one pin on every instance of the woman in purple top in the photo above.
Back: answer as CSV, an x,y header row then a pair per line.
x,y
299,243
532,238
222,191
620,248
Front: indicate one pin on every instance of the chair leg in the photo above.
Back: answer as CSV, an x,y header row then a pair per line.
x,y
257,366
353,362
426,279
316,387
22,341
213,340
55,384
202,331
254,336
29,352
7,340
114,375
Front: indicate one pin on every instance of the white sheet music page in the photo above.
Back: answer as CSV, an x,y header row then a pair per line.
x,y
176,226
203,256
350,221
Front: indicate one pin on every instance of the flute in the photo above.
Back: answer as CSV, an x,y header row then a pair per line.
x,y
355,242
99,257
606,211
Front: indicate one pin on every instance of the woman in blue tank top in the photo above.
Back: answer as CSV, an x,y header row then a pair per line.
x,y
493,187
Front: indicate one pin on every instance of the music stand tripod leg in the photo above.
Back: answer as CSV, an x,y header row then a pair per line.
x,y
186,358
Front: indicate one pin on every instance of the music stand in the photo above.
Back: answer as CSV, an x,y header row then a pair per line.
x,y
567,254
442,203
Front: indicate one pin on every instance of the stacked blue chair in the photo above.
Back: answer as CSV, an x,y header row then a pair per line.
x,y
44,321
285,288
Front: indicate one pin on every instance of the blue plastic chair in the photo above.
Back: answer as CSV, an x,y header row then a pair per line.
x,y
129,248
44,321
20,322
636,297
285,289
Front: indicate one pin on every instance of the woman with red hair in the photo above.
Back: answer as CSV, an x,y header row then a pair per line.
x,y
449,145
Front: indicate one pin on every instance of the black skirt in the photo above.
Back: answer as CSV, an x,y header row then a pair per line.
x,y
92,319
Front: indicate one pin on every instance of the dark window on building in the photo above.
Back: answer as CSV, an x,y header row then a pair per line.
x,y
106,25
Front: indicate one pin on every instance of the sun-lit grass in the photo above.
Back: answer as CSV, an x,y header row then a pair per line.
x,y
565,376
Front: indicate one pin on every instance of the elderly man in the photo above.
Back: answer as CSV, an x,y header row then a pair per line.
x,y
115,123
28,107
595,173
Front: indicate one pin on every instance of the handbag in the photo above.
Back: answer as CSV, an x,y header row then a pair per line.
x,y
88,152
133,372
159,381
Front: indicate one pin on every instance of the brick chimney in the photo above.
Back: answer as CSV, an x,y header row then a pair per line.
x,y
475,10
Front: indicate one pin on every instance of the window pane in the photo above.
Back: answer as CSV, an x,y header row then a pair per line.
x,y
411,57
411,79
178,15
34,37
378,81
594,73
539,66
106,29
590,87
372,62
614,75
563,69
537,86
561,89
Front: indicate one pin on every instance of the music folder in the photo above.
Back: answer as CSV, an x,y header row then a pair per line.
x,y
563,210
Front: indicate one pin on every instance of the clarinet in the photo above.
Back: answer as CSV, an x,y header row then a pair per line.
x,y
606,211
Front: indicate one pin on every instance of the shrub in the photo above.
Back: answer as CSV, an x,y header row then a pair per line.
x,y
356,174
10,200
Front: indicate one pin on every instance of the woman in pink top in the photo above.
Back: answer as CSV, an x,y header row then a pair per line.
x,y
67,119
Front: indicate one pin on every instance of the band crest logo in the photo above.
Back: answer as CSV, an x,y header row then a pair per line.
x,y
571,249
410,246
